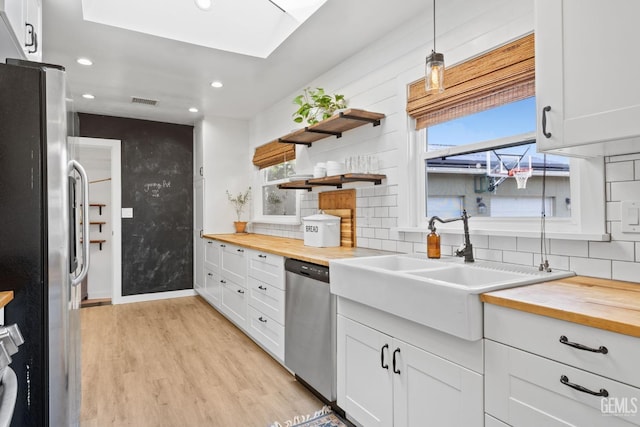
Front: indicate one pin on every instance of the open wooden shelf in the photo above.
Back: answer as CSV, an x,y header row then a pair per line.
x,y
333,126
332,181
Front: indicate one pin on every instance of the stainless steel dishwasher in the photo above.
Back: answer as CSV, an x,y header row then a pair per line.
x,y
310,327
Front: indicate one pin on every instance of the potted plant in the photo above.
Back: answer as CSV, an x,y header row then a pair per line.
x,y
239,203
316,105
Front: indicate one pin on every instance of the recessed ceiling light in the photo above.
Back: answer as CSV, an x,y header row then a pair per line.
x,y
193,109
203,4
216,84
88,96
84,61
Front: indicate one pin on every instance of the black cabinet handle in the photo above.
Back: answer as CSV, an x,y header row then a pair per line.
x,y
382,364
262,288
223,246
602,349
565,380
261,256
210,274
201,174
240,250
240,291
31,32
223,281
545,110
262,320
395,371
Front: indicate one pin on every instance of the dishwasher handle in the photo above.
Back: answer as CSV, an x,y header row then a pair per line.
x,y
307,269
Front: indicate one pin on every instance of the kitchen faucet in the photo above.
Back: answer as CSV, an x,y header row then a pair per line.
x,y
467,250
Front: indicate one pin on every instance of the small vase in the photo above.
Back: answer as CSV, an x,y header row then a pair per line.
x,y
241,226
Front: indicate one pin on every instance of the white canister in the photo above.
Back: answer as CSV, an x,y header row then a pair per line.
x,y
322,230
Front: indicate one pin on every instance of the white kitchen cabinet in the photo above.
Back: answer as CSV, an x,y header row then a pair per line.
x,y
198,240
266,298
20,35
266,331
233,263
587,378
384,381
586,77
266,267
212,291
233,302
212,251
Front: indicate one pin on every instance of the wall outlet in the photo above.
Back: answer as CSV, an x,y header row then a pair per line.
x,y
127,212
630,216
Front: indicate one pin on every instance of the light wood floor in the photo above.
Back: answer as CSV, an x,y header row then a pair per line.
x,y
179,362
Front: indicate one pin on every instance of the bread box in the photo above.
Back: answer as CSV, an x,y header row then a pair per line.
x,y
321,230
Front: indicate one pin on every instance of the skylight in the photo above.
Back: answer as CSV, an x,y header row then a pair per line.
x,y
248,27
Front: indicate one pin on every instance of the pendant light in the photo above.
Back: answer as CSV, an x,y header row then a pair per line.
x,y
434,68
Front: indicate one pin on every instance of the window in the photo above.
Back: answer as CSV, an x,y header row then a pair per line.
x,y
276,202
494,146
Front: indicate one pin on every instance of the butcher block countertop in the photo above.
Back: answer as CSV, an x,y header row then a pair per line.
x,y
600,303
5,298
294,248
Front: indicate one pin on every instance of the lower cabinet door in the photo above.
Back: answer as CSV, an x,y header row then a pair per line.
x,y
431,391
234,302
489,421
267,332
213,288
526,390
365,378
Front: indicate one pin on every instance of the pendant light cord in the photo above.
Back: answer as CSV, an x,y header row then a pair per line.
x,y
434,25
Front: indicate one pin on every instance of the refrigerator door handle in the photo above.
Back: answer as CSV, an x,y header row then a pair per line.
x,y
75,281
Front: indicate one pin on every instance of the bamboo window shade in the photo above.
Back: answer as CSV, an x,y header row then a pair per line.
x,y
505,74
273,153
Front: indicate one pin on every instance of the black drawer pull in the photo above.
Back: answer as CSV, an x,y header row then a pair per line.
x,y
382,364
240,250
545,110
210,274
240,291
223,246
602,349
223,281
262,288
395,371
210,242
565,380
262,320
261,256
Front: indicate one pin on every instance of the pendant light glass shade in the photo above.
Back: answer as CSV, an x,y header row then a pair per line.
x,y
434,72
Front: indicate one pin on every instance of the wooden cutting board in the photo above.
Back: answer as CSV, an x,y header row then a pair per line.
x,y
345,225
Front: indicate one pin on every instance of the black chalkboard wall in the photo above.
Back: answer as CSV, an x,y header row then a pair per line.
x,y
157,182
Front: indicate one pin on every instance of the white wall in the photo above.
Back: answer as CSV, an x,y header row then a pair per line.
x,y
225,151
376,79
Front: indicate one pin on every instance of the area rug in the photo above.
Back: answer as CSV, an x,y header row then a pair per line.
x,y
322,418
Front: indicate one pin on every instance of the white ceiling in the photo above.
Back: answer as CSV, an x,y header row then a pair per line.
x,y
178,74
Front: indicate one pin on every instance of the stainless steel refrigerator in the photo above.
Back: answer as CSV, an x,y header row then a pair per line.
x,y
43,195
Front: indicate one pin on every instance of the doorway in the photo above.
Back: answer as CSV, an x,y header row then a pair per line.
x,y
101,159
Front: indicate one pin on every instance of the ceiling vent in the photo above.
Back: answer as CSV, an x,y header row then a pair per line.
x,y
135,100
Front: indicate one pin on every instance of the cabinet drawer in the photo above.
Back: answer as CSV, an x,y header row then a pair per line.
x,y
267,268
266,298
233,263
213,287
267,332
212,255
489,421
541,335
234,302
523,389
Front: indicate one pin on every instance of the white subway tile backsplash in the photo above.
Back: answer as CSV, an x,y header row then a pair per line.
x,y
451,239
389,222
629,271
393,234
637,169
375,201
391,200
368,232
591,267
624,157
390,245
421,248
616,250
529,244
505,243
625,190
619,171
393,189
613,211
556,262
577,248
637,251
381,212
375,244
375,222
362,202
487,254
382,233
521,258
479,241
393,211
405,247
617,234
607,191
380,190
366,191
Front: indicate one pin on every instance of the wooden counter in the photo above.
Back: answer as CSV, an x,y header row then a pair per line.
x,y
294,248
600,303
5,298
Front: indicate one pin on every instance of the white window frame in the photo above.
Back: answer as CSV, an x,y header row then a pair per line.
x,y
259,217
587,189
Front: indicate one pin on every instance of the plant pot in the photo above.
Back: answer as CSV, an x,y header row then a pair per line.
x,y
241,226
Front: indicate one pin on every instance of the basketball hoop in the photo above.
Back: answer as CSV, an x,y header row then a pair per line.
x,y
521,175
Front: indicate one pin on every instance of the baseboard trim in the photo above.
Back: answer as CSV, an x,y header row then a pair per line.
x,y
154,296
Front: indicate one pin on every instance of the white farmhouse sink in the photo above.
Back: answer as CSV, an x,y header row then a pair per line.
x,y
442,294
